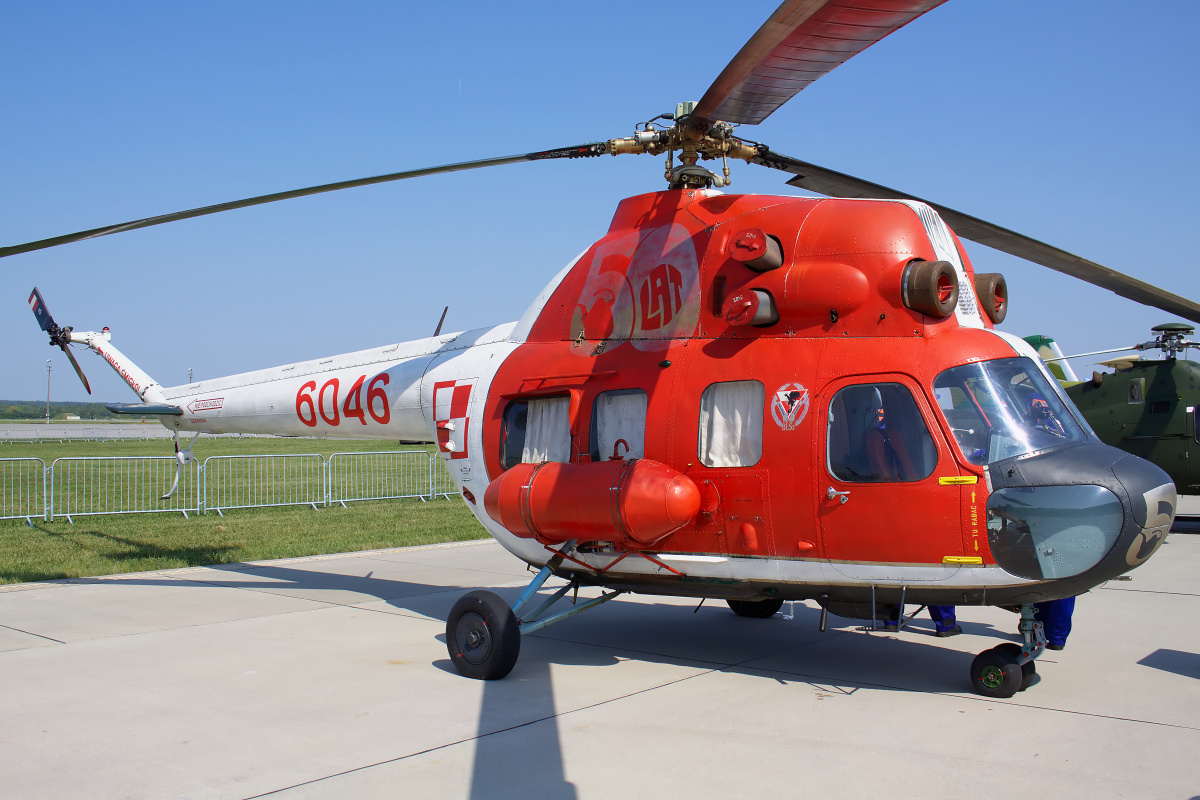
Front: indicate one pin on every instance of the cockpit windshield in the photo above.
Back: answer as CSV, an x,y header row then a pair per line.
x,y
1003,408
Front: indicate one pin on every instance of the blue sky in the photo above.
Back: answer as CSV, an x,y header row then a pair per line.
x,y
1072,121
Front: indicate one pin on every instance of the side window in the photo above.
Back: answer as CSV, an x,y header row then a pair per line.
x,y
619,425
512,439
536,430
876,434
731,421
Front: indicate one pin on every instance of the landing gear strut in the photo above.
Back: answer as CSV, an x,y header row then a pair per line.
x,y
483,635
1008,668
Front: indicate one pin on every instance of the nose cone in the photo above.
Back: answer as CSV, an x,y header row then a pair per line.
x,y
1152,501
1077,516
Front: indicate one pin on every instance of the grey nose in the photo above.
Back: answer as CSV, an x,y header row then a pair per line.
x,y
1077,516
1152,501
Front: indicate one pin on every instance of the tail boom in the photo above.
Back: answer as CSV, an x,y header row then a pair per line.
x,y
382,393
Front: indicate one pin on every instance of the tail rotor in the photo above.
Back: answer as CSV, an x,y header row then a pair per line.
x,y
59,336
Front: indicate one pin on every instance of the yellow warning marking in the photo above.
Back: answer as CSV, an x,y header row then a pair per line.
x,y
955,480
962,560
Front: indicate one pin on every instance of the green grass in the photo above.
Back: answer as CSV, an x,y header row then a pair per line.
x,y
105,545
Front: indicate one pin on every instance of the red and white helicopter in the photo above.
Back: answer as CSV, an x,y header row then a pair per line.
x,y
753,398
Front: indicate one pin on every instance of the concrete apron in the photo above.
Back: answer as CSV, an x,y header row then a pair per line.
x,y
328,677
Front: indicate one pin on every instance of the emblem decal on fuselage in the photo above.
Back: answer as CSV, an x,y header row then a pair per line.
x,y
643,286
451,415
789,406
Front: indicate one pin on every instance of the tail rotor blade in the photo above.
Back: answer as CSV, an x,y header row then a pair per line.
x,y
40,312
78,371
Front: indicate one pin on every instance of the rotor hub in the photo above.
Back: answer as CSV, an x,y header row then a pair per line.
x,y
694,140
1171,339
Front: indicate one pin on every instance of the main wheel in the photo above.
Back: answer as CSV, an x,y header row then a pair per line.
x,y
483,636
996,673
756,609
1029,674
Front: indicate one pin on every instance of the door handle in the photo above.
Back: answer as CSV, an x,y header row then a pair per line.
x,y
831,493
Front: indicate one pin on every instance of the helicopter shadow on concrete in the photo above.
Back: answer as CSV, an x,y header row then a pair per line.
x,y
525,701
519,715
1176,661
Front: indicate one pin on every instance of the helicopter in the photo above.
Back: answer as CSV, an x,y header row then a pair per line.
x,y
741,397
1147,406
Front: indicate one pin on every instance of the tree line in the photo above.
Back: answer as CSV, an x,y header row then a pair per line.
x,y
34,410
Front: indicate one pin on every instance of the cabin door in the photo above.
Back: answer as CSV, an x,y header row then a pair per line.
x,y
889,489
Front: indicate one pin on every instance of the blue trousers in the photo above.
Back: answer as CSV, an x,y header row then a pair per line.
x,y
942,616
1055,615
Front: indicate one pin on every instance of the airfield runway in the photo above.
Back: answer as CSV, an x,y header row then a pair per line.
x,y
326,677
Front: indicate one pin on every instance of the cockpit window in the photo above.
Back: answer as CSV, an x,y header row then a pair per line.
x,y
1003,408
876,434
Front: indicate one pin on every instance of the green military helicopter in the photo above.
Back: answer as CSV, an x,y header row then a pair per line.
x,y
1147,406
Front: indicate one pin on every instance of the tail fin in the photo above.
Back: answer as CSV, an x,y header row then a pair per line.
x,y
1052,354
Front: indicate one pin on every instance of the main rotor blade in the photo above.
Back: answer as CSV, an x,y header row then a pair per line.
x,y
800,42
836,184
578,151
1093,353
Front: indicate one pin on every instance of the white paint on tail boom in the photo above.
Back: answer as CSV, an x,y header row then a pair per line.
x,y
146,388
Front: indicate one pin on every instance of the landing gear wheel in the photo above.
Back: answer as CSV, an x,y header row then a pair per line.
x,y
483,636
996,673
756,609
1029,674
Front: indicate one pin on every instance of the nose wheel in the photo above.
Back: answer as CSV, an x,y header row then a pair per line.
x,y
1009,668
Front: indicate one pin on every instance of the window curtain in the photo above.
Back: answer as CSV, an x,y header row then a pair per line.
x,y
547,431
731,420
621,415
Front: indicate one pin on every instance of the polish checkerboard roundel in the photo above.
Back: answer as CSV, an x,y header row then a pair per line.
x,y
451,404
789,406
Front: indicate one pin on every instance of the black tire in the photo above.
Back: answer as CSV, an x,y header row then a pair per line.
x,y
1028,669
755,609
996,673
931,288
483,636
992,290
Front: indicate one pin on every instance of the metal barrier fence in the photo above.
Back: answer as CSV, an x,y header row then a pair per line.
x,y
76,432
381,476
100,432
22,489
76,486
119,485
441,483
257,481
